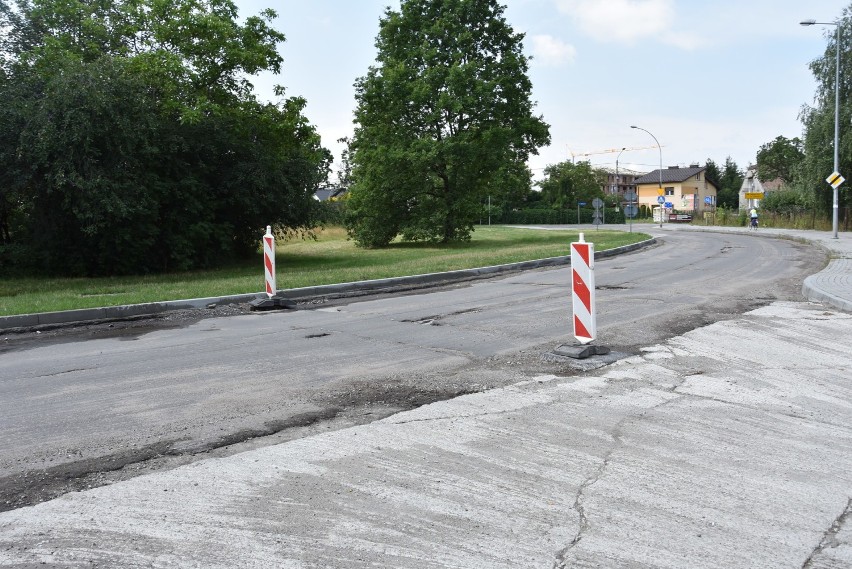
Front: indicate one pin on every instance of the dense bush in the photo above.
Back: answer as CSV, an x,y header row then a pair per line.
x,y
131,142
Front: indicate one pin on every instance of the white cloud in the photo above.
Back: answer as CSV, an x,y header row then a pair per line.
x,y
548,50
626,21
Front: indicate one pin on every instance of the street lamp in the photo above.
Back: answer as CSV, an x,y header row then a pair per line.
x,y
660,148
836,112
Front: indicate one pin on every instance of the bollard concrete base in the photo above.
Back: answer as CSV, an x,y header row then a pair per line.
x,y
274,303
580,352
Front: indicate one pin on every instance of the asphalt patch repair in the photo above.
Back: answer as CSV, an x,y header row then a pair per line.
x,y
358,405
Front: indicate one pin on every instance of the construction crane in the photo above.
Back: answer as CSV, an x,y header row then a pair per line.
x,y
611,150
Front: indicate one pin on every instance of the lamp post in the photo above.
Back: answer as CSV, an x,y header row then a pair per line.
x,y
660,148
836,113
617,187
616,170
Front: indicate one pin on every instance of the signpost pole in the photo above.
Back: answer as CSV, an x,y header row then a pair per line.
x,y
598,218
631,209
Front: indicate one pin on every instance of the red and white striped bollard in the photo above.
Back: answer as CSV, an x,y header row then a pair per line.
x,y
269,261
583,290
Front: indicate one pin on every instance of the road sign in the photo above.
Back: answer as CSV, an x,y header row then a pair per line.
x,y
835,179
661,192
597,202
581,203
669,205
631,210
661,200
754,195
630,196
708,200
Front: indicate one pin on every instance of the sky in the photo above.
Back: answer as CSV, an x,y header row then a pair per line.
x,y
707,79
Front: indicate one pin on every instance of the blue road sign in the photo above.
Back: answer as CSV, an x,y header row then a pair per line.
x,y
661,199
581,203
669,205
708,200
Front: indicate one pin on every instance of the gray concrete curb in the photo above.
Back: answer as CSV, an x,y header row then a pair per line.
x,y
304,294
838,272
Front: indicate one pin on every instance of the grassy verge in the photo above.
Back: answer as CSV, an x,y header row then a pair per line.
x,y
329,259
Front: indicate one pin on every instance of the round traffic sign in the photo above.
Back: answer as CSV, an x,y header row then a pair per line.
x,y
630,196
631,210
597,202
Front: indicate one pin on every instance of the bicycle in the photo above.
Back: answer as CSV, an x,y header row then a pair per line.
x,y
753,224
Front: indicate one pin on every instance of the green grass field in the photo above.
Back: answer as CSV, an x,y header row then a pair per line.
x,y
328,259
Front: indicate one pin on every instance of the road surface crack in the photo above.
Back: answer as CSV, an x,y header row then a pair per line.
x,y
579,506
617,435
829,538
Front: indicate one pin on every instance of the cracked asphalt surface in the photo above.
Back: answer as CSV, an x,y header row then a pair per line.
x,y
715,436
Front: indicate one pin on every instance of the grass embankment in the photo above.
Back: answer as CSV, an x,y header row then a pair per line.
x,y
329,259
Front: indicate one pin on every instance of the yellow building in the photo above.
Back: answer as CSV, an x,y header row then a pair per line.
x,y
686,189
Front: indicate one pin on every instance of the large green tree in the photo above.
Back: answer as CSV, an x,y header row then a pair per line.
x,y
712,173
566,184
728,180
780,158
132,141
444,118
730,183
818,119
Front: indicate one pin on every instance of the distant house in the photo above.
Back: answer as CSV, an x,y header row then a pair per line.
x,y
328,193
753,185
687,189
626,180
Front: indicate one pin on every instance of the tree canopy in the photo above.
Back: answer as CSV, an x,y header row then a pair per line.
x,y
566,184
818,119
728,180
779,159
442,120
132,142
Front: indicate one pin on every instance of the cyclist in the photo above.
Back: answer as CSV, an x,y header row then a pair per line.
x,y
753,216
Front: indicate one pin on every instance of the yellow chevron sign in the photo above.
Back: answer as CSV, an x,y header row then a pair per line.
x,y
835,179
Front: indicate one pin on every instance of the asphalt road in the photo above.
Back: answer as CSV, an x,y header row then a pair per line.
x,y
77,414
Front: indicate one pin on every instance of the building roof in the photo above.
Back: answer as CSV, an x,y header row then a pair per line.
x,y
750,180
328,192
672,174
